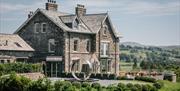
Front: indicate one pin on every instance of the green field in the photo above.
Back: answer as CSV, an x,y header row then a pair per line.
x,y
170,86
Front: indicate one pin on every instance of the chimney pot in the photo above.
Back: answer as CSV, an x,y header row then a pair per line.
x,y
51,5
80,10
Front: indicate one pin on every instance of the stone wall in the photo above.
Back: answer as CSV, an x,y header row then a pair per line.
x,y
82,54
113,47
39,41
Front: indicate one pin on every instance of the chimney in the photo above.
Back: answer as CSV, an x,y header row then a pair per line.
x,y
51,5
80,10
30,14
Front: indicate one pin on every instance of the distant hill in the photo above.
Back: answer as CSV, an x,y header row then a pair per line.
x,y
145,52
132,44
174,47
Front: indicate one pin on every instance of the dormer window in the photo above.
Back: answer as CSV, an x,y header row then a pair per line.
x,y
37,27
76,24
43,27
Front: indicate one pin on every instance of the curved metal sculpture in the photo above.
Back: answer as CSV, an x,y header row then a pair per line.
x,y
86,74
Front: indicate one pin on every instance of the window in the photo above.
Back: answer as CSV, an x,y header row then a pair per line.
x,y
37,28
76,65
75,24
76,45
104,49
105,29
51,45
88,46
8,61
43,27
2,61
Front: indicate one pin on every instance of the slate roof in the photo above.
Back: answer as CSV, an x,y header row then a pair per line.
x,y
92,22
13,42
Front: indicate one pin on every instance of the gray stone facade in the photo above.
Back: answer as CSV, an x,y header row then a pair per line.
x,y
65,36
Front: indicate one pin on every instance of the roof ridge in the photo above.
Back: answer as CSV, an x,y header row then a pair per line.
x,y
96,14
54,11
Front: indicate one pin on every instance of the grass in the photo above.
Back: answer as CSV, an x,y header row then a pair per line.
x,y
170,86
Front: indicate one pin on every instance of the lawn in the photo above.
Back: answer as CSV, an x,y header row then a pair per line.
x,y
170,86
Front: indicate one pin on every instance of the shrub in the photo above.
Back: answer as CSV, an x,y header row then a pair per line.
x,y
123,78
11,83
76,84
19,68
144,88
129,85
147,79
112,76
40,85
158,85
96,85
121,86
138,86
134,88
85,84
58,85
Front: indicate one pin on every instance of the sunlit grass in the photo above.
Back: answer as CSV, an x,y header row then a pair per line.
x,y
170,86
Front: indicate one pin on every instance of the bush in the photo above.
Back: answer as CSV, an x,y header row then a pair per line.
x,y
19,68
85,84
96,85
40,85
158,85
129,85
11,83
138,86
58,85
146,79
123,78
144,88
121,86
77,84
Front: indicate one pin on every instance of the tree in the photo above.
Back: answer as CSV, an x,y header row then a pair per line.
x,y
135,63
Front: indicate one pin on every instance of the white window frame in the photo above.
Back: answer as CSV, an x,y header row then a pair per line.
x,y
105,46
35,27
77,45
43,28
49,47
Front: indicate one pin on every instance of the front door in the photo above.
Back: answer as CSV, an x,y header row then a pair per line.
x,y
53,69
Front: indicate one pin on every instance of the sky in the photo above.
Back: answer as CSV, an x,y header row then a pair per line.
x,y
149,22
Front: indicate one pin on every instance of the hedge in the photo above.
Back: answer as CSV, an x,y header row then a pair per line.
x,y
146,79
19,83
19,68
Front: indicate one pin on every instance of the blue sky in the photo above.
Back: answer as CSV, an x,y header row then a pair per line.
x,y
150,22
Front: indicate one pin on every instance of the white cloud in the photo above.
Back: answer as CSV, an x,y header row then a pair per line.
x,y
8,7
140,7
151,8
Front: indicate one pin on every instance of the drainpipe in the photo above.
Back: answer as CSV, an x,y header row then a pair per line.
x,y
115,56
69,53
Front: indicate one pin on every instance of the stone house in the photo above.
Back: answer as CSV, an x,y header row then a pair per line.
x,y
13,48
62,39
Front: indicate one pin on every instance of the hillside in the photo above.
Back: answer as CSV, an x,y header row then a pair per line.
x,y
155,57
